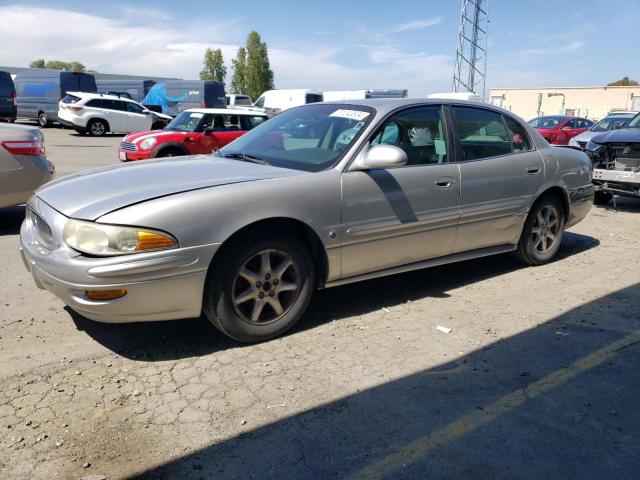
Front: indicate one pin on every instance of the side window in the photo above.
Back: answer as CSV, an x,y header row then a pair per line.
x,y
313,98
420,132
95,103
519,139
260,102
120,106
249,122
584,123
570,124
133,108
218,124
481,133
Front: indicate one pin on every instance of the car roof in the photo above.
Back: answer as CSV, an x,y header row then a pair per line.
x,y
227,111
100,95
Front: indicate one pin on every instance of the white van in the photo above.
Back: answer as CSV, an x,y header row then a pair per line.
x,y
279,100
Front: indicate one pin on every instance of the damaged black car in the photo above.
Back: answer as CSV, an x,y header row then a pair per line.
x,y
616,162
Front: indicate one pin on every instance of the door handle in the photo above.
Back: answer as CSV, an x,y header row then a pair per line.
x,y
445,182
533,170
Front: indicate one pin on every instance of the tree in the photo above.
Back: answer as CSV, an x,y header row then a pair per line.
x,y
39,63
58,65
258,74
239,79
625,82
214,68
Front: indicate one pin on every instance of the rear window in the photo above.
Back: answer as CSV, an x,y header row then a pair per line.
x,y
7,88
313,98
240,100
70,99
96,103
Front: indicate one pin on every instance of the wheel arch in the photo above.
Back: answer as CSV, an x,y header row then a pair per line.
x,y
289,226
559,193
169,145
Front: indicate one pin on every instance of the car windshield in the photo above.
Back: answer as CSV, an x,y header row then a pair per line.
x,y
635,123
609,123
185,122
545,122
310,138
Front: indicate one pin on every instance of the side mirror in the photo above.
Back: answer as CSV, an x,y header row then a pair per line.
x,y
147,112
381,156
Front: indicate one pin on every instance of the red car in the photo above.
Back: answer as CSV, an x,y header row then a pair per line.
x,y
192,132
558,129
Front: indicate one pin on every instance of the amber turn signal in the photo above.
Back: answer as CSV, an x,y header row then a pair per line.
x,y
105,294
152,241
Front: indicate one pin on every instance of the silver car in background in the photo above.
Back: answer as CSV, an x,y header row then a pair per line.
x,y
613,121
23,165
319,196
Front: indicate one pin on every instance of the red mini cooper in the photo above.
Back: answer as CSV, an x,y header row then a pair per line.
x,y
195,131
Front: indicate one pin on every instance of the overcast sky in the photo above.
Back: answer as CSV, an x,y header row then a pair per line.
x,y
333,44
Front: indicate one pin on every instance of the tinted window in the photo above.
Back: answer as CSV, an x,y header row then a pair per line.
x,y
584,123
546,122
117,105
570,124
96,103
70,99
133,108
249,122
481,133
610,123
313,98
243,100
260,102
519,139
420,132
6,85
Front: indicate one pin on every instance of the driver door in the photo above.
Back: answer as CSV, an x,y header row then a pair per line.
x,y
407,214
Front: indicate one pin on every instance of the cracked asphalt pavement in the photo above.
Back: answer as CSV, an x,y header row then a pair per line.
x,y
538,378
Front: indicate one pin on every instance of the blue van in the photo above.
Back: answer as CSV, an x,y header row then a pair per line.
x,y
40,90
133,89
7,97
174,96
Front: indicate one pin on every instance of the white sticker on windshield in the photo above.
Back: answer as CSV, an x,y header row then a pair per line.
x,y
358,115
196,115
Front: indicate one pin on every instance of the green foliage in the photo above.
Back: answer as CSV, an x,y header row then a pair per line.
x,y
239,78
258,73
214,68
624,82
58,65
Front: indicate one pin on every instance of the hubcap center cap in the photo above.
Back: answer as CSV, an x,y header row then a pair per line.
x,y
266,286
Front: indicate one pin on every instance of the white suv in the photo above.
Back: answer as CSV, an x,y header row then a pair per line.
x,y
98,114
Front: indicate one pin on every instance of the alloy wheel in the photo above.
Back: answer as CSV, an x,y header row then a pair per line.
x,y
545,228
97,128
265,287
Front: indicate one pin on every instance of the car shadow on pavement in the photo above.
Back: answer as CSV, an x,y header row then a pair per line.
x,y
556,401
154,341
10,220
624,204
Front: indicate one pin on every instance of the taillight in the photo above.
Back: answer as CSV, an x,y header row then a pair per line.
x,y
33,147
15,100
74,108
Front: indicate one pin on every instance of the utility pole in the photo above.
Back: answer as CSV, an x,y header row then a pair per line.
x,y
469,74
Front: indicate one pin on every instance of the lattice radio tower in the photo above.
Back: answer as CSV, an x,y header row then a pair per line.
x,y
469,73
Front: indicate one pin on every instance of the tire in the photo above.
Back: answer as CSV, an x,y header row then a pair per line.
x,y
169,152
242,284
546,216
602,198
97,128
43,120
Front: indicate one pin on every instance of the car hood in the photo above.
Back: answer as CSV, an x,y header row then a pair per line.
x,y
91,194
623,135
151,133
586,136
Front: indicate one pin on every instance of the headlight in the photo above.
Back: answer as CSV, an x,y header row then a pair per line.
x,y
147,143
107,240
592,146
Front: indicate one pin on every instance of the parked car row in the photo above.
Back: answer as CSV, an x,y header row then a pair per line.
x,y
559,129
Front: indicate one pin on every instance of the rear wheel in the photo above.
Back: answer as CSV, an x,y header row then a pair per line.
x,y
602,198
261,290
43,120
542,232
97,128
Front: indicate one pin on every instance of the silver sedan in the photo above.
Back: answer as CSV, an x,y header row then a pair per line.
x,y
23,166
321,195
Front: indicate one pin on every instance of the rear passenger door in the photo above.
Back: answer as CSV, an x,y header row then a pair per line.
x,y
500,173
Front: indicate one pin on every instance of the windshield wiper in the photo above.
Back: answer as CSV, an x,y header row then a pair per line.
x,y
245,157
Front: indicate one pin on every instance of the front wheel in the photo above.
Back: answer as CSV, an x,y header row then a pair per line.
x,y
542,233
260,288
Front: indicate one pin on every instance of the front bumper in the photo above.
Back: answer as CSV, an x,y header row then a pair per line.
x,y
130,155
620,182
161,285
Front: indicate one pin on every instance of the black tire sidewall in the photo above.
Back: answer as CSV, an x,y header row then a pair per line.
x,y
43,123
602,198
219,307
526,250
